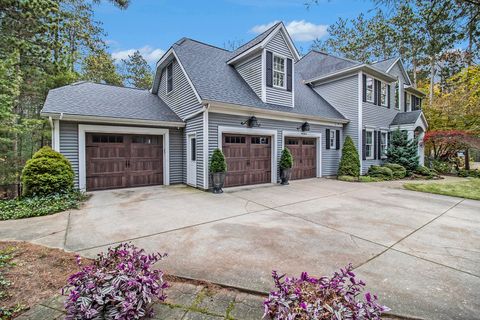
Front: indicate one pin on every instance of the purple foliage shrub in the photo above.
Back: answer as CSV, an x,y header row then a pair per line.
x,y
120,284
335,298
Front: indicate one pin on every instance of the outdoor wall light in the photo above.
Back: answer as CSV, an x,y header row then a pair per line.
x,y
304,127
251,122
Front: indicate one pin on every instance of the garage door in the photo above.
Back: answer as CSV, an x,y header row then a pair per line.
x,y
249,159
304,151
118,161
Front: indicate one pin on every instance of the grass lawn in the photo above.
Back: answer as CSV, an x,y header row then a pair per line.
x,y
468,189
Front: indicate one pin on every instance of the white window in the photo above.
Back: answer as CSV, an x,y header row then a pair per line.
x,y
369,144
383,144
383,94
369,93
408,100
279,72
332,139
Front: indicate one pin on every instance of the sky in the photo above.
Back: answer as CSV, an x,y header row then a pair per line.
x,y
152,26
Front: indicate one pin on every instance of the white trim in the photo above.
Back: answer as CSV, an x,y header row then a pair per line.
x,y
236,109
110,120
334,139
264,76
205,149
353,69
372,157
360,119
56,135
253,131
405,73
188,155
84,128
284,71
316,135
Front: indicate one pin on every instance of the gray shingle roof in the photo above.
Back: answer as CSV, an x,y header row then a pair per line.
x,y
93,99
320,63
254,41
215,80
406,117
384,64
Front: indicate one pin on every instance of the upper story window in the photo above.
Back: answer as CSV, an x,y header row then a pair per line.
x,y
332,140
383,94
408,102
170,77
416,103
279,72
369,89
369,144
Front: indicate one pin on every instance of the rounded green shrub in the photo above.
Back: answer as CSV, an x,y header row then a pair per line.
x,y
423,171
441,166
286,159
350,162
48,172
399,171
380,172
218,162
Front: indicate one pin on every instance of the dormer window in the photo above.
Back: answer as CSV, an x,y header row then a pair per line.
x,y
279,72
170,77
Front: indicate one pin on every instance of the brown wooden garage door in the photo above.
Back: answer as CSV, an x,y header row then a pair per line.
x,y
304,151
118,161
249,159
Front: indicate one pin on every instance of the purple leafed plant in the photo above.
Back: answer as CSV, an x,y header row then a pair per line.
x,y
335,298
120,284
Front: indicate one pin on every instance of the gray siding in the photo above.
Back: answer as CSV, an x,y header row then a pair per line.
x,y
335,92
182,99
69,145
251,72
330,158
396,71
274,95
177,155
195,125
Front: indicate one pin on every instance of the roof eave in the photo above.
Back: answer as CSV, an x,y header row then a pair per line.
x,y
415,91
352,70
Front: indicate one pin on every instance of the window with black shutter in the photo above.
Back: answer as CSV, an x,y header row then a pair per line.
x,y
269,69
289,74
337,137
327,136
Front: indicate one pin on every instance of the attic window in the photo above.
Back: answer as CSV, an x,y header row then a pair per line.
x,y
278,72
170,77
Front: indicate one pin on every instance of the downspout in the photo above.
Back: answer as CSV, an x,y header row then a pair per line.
x,y
50,121
205,145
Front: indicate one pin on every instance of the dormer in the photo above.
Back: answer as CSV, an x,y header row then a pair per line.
x,y
267,65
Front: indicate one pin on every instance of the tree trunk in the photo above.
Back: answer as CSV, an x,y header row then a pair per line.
x,y
467,159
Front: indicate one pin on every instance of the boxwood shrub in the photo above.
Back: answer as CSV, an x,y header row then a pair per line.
x,y
399,171
48,172
218,162
286,159
380,172
350,162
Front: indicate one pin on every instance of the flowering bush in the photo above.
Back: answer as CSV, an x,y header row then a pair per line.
x,y
321,298
118,285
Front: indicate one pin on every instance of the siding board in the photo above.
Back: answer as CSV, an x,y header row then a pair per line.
x,y
251,72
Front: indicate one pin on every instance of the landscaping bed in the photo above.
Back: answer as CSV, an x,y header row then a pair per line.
x,y
29,274
469,189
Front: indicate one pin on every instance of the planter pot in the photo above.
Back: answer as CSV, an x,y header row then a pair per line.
x,y
285,176
218,179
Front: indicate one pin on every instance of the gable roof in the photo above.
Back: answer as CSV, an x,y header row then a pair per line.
x,y
386,64
258,39
406,117
101,100
215,80
321,63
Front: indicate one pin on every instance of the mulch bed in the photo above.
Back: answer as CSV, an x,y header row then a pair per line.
x,y
38,273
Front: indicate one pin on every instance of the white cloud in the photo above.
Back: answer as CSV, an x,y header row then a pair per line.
x,y
150,54
300,30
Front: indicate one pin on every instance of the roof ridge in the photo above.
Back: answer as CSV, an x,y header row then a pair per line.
x,y
391,58
200,42
239,50
105,84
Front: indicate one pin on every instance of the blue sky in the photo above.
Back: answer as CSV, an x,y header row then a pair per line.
x,y
151,26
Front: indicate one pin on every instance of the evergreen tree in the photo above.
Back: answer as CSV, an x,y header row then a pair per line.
x,y
100,67
403,151
350,162
137,72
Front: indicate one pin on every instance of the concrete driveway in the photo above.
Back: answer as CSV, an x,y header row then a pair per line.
x,y
419,252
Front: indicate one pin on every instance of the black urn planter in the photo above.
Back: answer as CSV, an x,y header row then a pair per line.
x,y
218,180
285,176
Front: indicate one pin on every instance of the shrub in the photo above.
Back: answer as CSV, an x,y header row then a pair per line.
x,y
218,162
403,151
39,206
286,159
469,173
120,284
441,166
359,179
348,178
380,172
338,297
424,171
399,172
48,172
350,162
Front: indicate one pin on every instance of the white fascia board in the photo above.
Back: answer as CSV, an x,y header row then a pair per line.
x,y
286,37
110,120
415,91
236,109
363,67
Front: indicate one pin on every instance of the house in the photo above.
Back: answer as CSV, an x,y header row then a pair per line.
x,y
251,103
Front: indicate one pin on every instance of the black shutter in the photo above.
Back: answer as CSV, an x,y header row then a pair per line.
x,y
337,137
388,96
364,136
379,145
375,93
374,146
289,75
419,103
364,80
405,101
269,69
327,135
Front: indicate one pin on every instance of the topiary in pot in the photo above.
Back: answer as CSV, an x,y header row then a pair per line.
x,y
218,170
286,164
350,162
48,172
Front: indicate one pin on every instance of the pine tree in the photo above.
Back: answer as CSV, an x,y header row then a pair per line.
x,y
350,162
137,72
403,151
100,67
